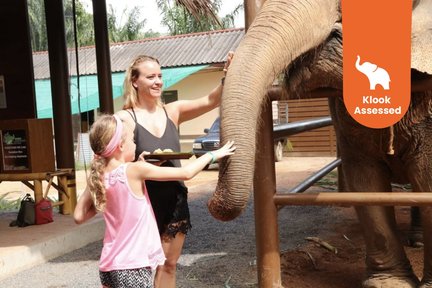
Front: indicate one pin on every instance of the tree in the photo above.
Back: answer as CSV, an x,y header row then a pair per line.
x,y
84,21
38,33
228,20
182,17
36,13
131,29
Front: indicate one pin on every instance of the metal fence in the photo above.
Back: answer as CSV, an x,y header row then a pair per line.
x,y
267,200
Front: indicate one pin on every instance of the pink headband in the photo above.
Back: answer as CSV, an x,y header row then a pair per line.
x,y
115,140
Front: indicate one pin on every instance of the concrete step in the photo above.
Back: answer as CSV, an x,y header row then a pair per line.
x,y
25,247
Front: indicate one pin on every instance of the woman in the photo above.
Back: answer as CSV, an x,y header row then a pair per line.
x,y
156,126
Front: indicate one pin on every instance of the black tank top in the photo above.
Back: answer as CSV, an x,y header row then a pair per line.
x,y
168,198
146,141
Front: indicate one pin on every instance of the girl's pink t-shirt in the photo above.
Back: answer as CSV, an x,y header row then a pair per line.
x,y
131,235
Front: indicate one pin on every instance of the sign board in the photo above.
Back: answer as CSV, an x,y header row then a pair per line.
x,y
27,146
14,150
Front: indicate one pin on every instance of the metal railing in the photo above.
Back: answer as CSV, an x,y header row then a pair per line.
x,y
267,201
289,129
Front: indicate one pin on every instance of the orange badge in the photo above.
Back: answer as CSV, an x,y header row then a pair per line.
x,y
377,60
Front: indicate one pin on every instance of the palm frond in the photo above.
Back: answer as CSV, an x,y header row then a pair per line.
x,y
199,8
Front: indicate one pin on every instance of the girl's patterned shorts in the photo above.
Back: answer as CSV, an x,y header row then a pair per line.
x,y
129,278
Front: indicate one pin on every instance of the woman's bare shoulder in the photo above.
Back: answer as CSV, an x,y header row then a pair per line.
x,y
173,111
125,115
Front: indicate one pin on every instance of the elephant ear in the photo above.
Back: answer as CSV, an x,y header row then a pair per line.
x,y
421,37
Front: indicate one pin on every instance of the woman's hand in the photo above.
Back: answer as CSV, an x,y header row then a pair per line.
x,y
227,149
230,56
142,158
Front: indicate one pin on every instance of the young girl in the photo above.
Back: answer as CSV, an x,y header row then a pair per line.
x,y
131,246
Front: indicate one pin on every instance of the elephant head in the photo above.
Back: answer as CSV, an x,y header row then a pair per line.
x,y
304,39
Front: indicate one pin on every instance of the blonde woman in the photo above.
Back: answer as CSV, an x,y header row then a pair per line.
x,y
156,127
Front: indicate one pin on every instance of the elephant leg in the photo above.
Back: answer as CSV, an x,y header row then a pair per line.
x,y
386,261
387,264
421,179
415,235
426,217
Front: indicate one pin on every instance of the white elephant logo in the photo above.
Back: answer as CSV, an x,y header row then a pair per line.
x,y
375,74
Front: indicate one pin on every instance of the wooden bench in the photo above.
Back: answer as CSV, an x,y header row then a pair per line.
x,y
65,186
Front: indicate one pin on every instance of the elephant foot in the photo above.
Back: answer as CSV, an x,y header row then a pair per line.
x,y
425,284
390,281
415,238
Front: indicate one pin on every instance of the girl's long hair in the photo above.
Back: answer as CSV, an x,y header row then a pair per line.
x,y
101,132
130,93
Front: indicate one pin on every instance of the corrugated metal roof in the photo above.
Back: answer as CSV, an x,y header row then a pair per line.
x,y
172,51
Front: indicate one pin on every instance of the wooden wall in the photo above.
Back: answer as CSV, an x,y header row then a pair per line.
x,y
318,142
16,63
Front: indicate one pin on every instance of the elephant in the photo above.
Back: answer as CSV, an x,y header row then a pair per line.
x,y
375,74
303,39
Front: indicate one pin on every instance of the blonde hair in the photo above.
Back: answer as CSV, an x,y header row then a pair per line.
x,y
101,132
130,93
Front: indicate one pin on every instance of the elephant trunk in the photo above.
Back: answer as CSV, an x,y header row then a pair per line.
x,y
357,64
282,31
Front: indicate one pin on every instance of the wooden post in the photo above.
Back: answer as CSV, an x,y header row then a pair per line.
x,y
251,8
68,184
103,58
356,199
62,111
37,190
266,225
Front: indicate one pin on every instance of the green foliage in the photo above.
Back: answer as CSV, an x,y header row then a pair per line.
x,y
151,34
36,13
9,205
175,17
85,27
329,181
228,20
179,21
118,30
132,27
38,33
289,146
14,205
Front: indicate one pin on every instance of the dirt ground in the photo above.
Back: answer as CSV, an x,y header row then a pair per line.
x,y
222,254
311,265
304,263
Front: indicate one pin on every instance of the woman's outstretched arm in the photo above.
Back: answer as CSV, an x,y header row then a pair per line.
x,y
184,110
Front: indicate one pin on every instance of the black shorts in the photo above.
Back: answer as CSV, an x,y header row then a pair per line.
x,y
129,278
169,202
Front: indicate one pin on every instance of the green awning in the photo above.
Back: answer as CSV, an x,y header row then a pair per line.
x,y
89,93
